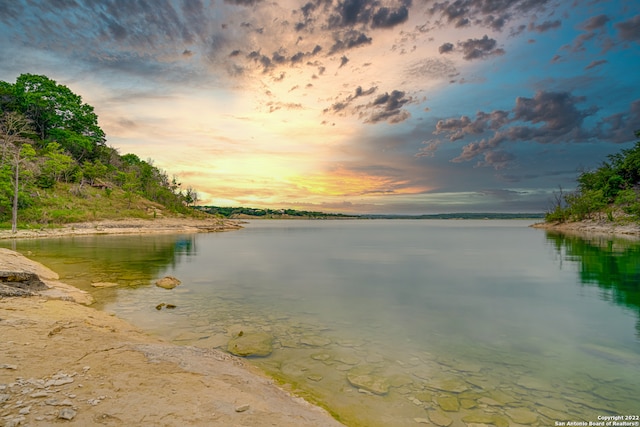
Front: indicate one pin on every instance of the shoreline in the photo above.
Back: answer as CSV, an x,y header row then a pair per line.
x,y
593,228
66,362
128,226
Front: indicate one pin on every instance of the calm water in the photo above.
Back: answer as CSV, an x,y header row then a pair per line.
x,y
487,322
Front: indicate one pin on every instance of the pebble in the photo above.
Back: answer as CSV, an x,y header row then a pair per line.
x,y
243,408
7,366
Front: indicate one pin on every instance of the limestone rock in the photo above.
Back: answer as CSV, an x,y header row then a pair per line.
x,y
448,403
251,344
439,418
522,416
67,414
168,282
315,341
452,385
368,381
485,418
104,284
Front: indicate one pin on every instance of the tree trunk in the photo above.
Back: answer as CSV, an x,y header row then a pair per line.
x,y
14,211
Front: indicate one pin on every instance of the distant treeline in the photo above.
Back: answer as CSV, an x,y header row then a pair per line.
x,y
228,212
472,215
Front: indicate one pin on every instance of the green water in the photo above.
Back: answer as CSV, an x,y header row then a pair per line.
x,y
467,322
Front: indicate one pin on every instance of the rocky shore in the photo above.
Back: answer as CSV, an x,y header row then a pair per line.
x,y
594,227
64,362
128,226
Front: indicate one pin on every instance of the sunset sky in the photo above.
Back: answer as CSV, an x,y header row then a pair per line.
x,y
390,106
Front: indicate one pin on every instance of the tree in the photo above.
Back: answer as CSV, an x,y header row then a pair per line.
x,y
16,132
59,115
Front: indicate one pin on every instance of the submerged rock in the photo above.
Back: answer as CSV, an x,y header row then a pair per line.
x,y
368,381
251,344
439,418
522,416
448,403
315,341
168,282
105,284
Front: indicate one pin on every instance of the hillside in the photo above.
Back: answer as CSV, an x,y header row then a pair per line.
x,y
56,167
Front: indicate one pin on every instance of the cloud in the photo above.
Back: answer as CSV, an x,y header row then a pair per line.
x,y
459,128
349,13
479,48
595,22
620,127
497,159
446,48
343,104
388,107
349,40
629,30
594,64
430,148
494,14
545,26
388,18
548,117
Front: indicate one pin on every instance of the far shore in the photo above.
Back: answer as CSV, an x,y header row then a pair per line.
x,y
65,362
127,226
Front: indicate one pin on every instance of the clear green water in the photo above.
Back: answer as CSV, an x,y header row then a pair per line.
x,y
473,322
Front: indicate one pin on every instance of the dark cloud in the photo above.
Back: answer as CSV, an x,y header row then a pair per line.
x,y
479,48
548,117
349,40
494,14
459,128
595,23
343,61
388,107
387,18
545,26
349,13
629,30
446,48
343,104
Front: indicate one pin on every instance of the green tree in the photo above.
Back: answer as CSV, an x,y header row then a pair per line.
x,y
56,166
59,114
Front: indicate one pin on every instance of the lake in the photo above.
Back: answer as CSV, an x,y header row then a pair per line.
x,y
393,322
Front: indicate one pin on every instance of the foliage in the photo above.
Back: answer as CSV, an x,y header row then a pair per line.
x,y
615,184
52,139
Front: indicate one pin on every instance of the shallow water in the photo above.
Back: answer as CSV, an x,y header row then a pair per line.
x,y
389,323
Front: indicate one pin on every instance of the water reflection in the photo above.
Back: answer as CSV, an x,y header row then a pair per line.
x,y
129,261
612,264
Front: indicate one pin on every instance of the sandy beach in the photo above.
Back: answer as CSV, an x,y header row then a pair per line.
x,y
65,362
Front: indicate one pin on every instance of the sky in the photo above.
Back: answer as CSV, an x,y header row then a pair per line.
x,y
354,106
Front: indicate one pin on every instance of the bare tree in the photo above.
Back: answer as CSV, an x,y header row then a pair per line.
x,y
16,132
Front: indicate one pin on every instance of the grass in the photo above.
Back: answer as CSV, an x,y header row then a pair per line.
x,y
70,203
